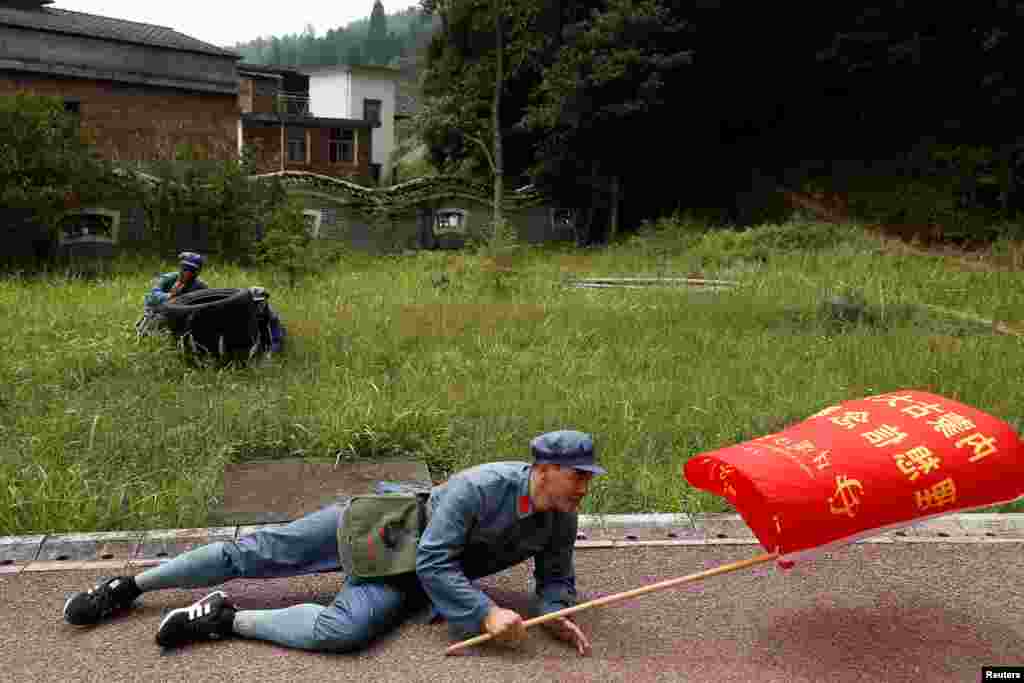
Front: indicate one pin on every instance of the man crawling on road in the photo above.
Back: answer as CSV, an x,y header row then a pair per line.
x,y
481,521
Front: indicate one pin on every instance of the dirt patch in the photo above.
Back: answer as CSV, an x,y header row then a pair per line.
x,y
457,264
907,238
303,328
456,393
573,263
345,312
499,263
945,344
449,320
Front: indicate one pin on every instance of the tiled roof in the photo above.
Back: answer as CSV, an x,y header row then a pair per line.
x,y
94,26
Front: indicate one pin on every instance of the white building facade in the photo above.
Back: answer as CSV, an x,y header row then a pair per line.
x,y
359,92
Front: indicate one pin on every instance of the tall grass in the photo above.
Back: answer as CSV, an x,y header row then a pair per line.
x,y
385,358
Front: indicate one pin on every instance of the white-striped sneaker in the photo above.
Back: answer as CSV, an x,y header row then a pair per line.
x,y
208,619
101,601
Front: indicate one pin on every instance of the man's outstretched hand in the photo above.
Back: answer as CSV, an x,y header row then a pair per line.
x,y
505,626
565,629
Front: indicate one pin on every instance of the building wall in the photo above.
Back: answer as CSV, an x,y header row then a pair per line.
x,y
137,122
414,229
83,57
329,94
365,233
266,143
245,94
256,94
266,140
377,87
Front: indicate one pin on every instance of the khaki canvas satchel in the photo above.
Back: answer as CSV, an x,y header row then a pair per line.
x,y
378,535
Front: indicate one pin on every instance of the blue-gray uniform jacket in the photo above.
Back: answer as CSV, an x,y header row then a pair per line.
x,y
163,284
482,522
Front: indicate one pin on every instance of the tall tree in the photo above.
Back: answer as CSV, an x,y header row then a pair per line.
x,y
484,46
377,38
598,96
276,55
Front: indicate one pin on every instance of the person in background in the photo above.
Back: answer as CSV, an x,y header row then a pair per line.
x,y
168,286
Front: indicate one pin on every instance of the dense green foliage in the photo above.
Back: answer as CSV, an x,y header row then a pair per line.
x,y
46,162
617,91
379,39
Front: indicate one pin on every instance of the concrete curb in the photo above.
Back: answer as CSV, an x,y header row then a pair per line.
x,y
125,549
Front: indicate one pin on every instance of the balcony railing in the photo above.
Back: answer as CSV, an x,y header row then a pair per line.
x,y
295,104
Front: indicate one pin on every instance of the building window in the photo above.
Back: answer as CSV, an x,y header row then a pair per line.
x,y
297,145
341,145
73,107
89,225
371,111
563,219
313,219
451,220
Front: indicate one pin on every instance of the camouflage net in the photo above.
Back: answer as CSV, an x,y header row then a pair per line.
x,y
401,198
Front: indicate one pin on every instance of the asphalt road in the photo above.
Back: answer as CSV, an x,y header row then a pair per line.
x,y
868,612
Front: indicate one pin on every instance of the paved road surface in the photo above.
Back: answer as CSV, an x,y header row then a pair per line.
x,y
868,612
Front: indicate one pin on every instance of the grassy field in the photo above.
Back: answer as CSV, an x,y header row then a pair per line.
x,y
384,359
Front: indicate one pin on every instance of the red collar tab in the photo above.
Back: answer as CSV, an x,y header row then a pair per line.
x,y
524,504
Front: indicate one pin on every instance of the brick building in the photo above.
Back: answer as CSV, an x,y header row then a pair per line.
x,y
141,91
278,122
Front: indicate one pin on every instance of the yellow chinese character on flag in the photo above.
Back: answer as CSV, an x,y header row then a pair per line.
x,y
891,400
951,424
725,473
846,500
884,435
919,410
984,446
917,461
850,419
821,460
939,495
826,411
803,446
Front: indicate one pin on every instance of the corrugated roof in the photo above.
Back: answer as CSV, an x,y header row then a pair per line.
x,y
107,28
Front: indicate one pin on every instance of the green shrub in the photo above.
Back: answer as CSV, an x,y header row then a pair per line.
x,y
46,164
763,242
216,196
287,244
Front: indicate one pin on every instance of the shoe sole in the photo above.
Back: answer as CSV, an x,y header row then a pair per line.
x,y
186,609
65,613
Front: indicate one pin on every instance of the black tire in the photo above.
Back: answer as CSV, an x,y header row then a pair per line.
x,y
220,321
205,300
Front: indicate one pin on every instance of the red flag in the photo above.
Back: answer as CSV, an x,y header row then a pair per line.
x,y
864,466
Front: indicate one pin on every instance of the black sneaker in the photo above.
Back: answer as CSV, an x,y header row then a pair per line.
x,y
101,601
208,619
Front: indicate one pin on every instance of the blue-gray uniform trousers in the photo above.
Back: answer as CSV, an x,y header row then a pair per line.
x,y
359,613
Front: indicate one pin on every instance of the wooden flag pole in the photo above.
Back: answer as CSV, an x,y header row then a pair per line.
x,y
617,597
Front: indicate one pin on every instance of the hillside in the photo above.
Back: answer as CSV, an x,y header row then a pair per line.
x,y
403,34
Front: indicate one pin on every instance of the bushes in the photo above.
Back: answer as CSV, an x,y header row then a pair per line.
x,y
46,165
212,196
964,193
287,243
686,234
